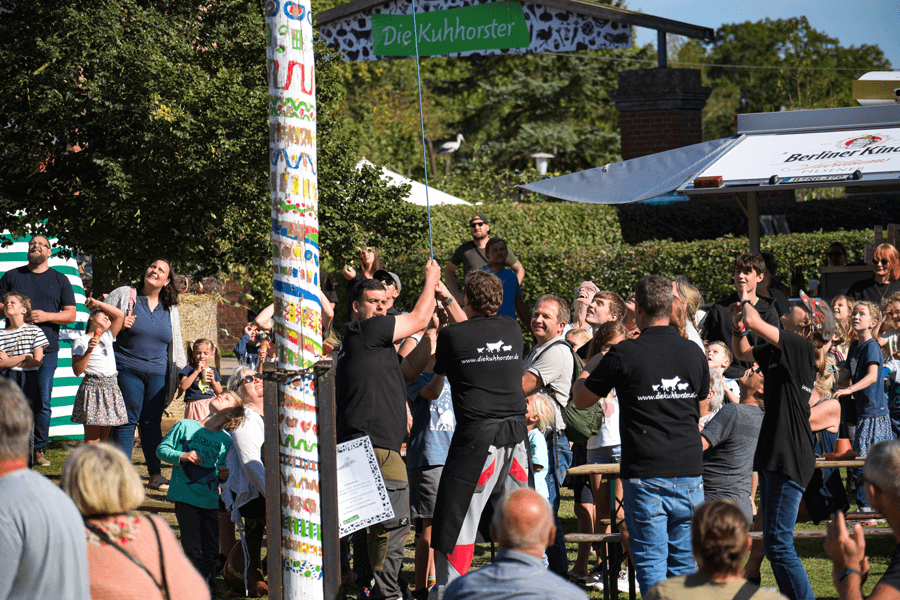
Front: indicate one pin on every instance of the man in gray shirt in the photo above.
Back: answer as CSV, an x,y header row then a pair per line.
x,y
43,553
729,442
523,527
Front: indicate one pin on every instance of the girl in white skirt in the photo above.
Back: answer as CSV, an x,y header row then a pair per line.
x,y
98,404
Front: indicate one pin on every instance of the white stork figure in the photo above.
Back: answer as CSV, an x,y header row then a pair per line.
x,y
451,146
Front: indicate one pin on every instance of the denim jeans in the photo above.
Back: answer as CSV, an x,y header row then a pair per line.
x,y
556,472
145,399
658,514
45,387
779,500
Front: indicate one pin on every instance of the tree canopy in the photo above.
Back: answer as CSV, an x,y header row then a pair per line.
x,y
138,129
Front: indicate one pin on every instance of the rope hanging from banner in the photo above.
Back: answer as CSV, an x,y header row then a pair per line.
x,y
422,125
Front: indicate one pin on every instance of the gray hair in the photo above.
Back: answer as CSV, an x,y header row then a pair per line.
x,y
234,382
883,467
717,386
511,532
16,421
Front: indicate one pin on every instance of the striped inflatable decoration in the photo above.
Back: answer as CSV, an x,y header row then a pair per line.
x,y
65,382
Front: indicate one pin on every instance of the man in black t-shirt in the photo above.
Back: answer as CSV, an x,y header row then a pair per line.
x,y
848,551
53,304
482,359
749,272
371,400
659,378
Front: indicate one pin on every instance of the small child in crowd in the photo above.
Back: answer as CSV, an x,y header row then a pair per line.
x,y
578,338
540,414
842,306
99,404
198,380
21,346
247,348
719,357
890,348
873,424
197,451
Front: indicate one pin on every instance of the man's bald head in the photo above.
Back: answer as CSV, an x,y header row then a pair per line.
x,y
523,522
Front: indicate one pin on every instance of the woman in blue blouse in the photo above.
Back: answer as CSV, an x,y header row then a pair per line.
x,y
149,354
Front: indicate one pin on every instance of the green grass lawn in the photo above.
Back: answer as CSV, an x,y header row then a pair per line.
x,y
818,567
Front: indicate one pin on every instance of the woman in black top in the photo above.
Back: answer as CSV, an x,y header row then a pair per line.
x,y
885,279
784,452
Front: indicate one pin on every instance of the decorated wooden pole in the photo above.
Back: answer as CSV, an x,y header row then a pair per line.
x,y
297,563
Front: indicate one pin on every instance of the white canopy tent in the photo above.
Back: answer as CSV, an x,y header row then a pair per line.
x,y
417,193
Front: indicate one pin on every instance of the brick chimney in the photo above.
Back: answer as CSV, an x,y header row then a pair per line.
x,y
660,109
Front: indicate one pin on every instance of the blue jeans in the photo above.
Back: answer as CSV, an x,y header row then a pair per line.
x,y
658,514
42,411
145,400
779,500
556,472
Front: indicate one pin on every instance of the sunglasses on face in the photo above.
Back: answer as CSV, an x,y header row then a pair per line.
x,y
473,225
880,261
251,377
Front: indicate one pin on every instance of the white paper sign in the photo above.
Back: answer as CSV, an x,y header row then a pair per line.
x,y
362,496
811,154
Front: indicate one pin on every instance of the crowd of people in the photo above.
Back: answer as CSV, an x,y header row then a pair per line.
x,y
474,434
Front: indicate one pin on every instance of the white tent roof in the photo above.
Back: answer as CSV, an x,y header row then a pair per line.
x,y
417,193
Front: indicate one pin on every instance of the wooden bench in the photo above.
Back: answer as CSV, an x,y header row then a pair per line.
x,y
156,506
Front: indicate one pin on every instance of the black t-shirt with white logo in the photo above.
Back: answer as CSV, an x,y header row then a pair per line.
x,y
785,440
482,358
371,393
659,378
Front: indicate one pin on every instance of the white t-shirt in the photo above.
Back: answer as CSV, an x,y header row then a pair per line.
x,y
102,361
609,430
553,363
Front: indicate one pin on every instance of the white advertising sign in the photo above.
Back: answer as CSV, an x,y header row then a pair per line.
x,y
811,155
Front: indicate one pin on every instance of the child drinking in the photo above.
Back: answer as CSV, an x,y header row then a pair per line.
x,y
873,424
198,380
99,404
197,449
22,347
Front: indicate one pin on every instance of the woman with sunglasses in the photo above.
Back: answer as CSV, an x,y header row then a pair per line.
x,y
244,491
885,279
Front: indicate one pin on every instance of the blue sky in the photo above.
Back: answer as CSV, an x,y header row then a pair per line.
x,y
853,22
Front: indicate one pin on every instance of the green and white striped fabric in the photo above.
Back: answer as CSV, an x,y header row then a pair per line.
x,y
65,382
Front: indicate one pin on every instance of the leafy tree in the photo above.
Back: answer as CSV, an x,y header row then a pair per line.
x,y
804,81
136,129
139,128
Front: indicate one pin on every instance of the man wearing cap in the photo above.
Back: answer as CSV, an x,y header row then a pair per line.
x,y
471,255
392,285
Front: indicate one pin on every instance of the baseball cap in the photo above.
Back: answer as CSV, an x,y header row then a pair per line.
x,y
387,277
479,218
820,315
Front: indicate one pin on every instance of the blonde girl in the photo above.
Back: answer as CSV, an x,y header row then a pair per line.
x,y
99,404
199,380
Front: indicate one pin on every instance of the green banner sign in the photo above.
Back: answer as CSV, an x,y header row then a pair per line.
x,y
493,26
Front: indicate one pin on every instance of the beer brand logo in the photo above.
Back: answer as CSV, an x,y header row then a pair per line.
x,y
859,143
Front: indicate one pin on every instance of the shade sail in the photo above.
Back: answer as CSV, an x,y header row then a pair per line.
x,y
636,179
